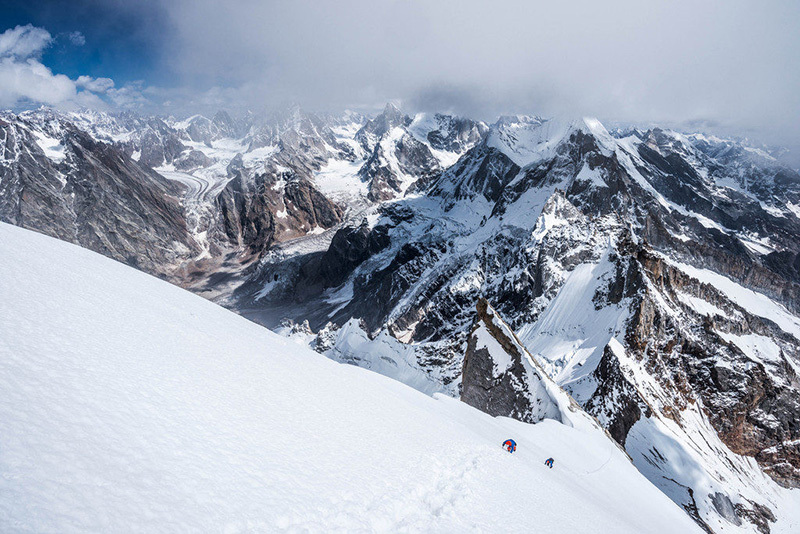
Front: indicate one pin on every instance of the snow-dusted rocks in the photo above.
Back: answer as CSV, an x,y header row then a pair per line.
x,y
448,133
232,189
57,179
500,377
561,226
396,159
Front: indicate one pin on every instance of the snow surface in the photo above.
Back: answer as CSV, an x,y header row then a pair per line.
x,y
53,148
339,179
758,348
132,405
570,336
701,306
529,139
384,355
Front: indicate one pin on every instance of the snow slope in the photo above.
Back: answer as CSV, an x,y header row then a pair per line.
x,y
132,405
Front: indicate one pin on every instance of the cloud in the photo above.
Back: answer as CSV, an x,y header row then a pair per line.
x,y
95,85
732,67
24,42
32,81
733,63
131,96
76,38
25,80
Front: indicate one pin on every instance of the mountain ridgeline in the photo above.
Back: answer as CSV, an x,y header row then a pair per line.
x,y
652,275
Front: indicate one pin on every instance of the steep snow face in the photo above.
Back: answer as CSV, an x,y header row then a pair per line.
x,y
131,404
571,334
384,354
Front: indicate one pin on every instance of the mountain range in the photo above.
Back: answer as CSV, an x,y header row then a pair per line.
x,y
651,275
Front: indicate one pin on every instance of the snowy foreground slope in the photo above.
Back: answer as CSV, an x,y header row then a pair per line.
x,y
132,405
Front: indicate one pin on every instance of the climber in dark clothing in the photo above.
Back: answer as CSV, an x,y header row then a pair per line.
x,y
549,463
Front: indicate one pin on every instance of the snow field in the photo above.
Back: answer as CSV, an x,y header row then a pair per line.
x,y
132,405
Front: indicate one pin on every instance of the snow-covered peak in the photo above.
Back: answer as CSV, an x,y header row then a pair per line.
x,y
514,120
527,140
375,129
447,133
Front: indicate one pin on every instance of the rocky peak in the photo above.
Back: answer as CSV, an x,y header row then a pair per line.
x,y
449,133
396,160
483,171
391,117
59,180
228,125
500,377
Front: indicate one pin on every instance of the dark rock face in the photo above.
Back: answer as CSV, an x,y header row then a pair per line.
x,y
310,208
752,404
349,248
31,185
757,514
246,219
499,376
96,197
158,143
413,159
256,211
781,462
456,134
628,407
482,171
193,159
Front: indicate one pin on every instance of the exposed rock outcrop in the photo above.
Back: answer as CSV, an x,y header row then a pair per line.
x,y
500,377
92,194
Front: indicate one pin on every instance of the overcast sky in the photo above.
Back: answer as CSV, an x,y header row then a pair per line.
x,y
731,66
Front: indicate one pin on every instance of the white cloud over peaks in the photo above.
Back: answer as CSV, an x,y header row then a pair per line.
x,y
24,79
29,80
95,85
24,41
736,63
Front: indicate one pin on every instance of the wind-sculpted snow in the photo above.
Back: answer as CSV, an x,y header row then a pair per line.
x,y
134,405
